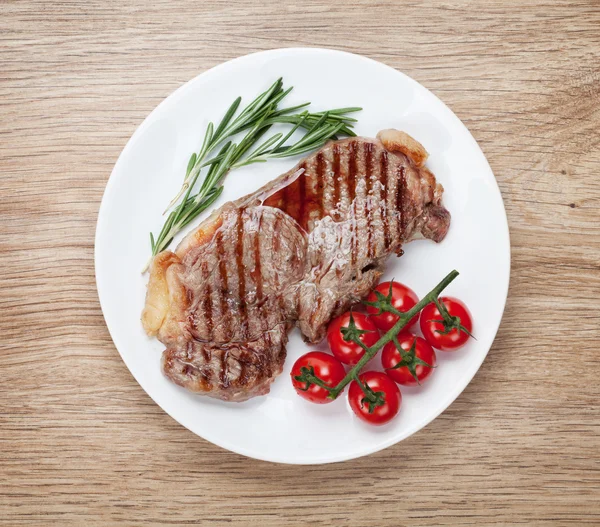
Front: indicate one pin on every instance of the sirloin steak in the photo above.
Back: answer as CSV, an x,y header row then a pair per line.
x,y
300,251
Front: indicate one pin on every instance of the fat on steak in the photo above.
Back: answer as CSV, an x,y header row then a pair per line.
x,y
298,251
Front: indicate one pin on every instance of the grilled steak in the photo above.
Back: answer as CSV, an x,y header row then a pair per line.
x,y
300,250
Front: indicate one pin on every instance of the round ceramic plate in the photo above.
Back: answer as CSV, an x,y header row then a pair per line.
x,y
281,426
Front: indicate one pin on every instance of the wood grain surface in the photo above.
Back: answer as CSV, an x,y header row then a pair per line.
x,y
82,444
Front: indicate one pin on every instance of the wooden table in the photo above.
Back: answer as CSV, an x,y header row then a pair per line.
x,y
82,444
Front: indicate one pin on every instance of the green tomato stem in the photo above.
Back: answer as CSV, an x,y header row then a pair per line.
x,y
404,318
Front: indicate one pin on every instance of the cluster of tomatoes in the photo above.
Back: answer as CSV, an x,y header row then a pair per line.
x,y
376,398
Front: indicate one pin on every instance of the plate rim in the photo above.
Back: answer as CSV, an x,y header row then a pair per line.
x,y
225,444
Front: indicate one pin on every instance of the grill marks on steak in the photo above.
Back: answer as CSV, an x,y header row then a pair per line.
x,y
229,338
352,178
235,281
299,250
231,371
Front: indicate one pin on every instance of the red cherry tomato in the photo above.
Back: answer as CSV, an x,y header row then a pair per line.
x,y
449,336
325,367
383,389
350,352
417,364
403,299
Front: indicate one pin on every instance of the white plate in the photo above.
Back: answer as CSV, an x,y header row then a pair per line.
x,y
281,426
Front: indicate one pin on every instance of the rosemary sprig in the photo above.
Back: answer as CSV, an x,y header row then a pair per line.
x,y
317,134
255,120
334,116
352,334
248,117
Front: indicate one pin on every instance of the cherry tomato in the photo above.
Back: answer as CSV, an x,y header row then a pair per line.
x,y
346,351
380,388
324,366
416,364
452,334
403,299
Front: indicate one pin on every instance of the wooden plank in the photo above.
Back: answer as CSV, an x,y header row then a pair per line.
x,y
81,443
